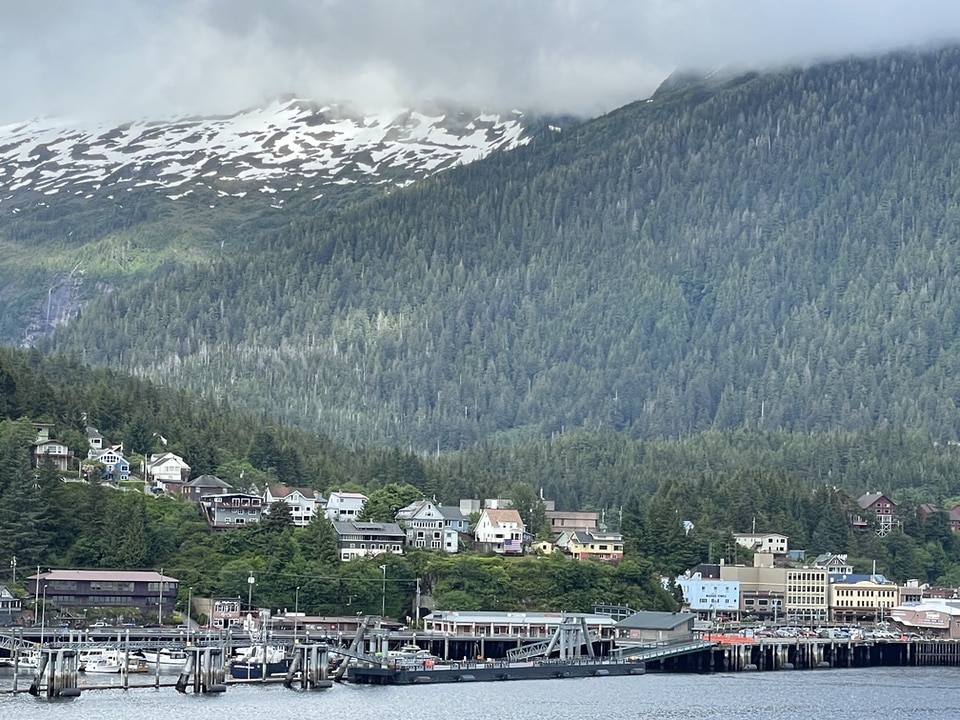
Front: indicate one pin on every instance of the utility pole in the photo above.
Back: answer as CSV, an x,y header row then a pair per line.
x,y
383,593
417,604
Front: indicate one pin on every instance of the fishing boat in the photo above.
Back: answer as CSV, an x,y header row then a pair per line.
x,y
255,663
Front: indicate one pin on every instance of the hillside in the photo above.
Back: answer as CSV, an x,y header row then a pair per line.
x,y
88,209
777,251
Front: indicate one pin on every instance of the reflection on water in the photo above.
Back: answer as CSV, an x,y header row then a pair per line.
x,y
856,694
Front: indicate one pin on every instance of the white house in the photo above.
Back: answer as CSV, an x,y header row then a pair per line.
x,y
344,506
771,543
501,531
304,502
166,471
709,597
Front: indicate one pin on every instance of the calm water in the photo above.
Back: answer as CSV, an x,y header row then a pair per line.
x,y
871,694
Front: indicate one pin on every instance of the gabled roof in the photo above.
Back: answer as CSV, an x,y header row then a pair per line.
x,y
503,517
284,491
868,499
348,495
208,481
165,457
451,513
650,620
585,536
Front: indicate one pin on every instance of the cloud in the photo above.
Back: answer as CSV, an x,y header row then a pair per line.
x,y
127,59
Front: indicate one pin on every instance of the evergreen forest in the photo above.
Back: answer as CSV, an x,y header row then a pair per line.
x,y
771,252
676,501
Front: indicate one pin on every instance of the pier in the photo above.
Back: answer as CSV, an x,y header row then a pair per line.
x,y
313,661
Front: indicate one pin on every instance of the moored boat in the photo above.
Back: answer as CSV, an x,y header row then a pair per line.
x,y
259,662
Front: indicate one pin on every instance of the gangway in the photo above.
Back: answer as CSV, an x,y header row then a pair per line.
x,y
568,639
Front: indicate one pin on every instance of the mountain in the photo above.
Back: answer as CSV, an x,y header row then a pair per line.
x,y
287,146
776,251
100,198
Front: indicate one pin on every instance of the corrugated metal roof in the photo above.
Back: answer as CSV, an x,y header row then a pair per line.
x,y
105,575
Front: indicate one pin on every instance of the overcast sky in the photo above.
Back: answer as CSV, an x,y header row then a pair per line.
x,y
129,59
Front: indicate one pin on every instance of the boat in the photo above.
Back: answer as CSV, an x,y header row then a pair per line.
x,y
164,657
107,660
255,663
410,652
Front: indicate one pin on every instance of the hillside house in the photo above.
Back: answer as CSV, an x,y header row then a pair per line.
x,y
204,485
770,543
592,545
10,607
46,448
500,531
833,564
304,503
426,526
878,507
344,506
229,510
166,472
365,539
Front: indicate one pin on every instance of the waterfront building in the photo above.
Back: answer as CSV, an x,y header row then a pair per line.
x,y
709,598
10,607
935,618
861,598
516,624
779,593
144,590
649,626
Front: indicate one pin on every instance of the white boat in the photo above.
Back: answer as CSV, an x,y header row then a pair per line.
x,y
164,657
107,660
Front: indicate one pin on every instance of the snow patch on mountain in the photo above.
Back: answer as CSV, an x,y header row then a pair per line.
x,y
285,146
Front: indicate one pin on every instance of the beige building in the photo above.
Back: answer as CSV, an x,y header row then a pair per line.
x,y
860,600
779,594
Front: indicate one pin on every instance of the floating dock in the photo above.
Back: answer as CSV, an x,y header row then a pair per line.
x,y
426,672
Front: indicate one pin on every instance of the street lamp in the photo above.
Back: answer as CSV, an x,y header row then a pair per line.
x,y
251,581
383,592
189,608
296,614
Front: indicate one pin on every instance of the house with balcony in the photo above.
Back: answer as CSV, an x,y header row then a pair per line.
x,y
230,510
427,526
500,531
304,503
45,448
166,472
344,506
592,545
877,510
366,539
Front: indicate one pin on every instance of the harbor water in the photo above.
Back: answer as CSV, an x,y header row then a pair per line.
x,y
848,694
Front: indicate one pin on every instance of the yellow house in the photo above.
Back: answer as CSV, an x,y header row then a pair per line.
x,y
593,545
